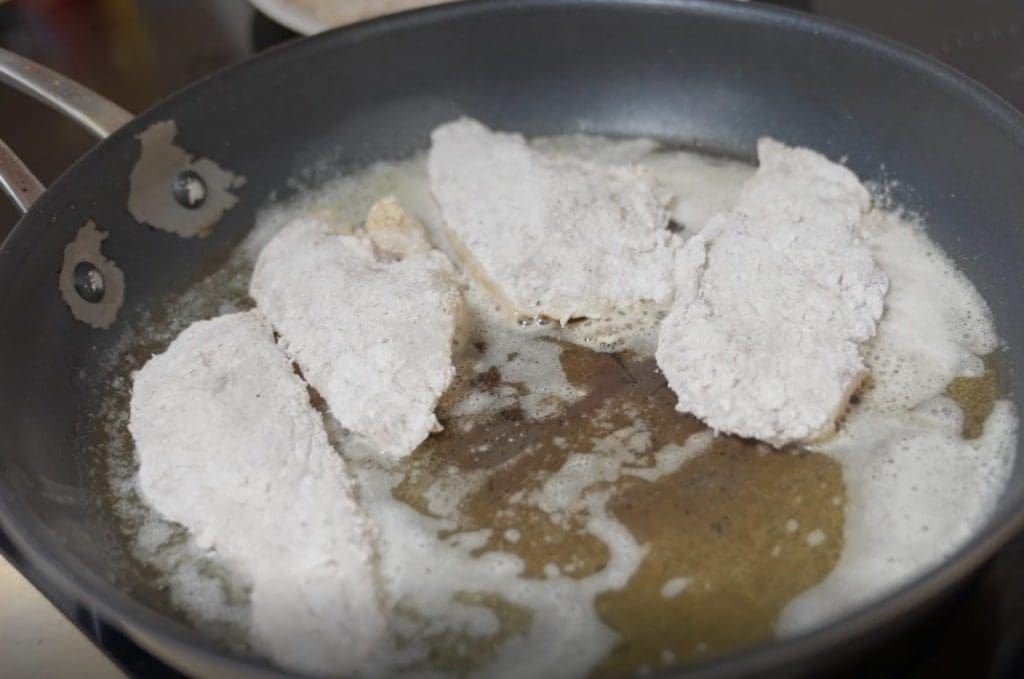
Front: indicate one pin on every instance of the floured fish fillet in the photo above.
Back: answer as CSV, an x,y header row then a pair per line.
x,y
230,448
550,235
772,300
371,333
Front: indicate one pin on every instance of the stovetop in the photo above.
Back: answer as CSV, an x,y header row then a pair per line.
x,y
138,51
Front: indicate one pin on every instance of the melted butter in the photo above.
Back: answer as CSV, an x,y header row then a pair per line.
x,y
976,396
742,527
514,455
459,655
724,521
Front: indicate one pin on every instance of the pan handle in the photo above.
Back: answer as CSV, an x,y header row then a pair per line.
x,y
17,181
90,110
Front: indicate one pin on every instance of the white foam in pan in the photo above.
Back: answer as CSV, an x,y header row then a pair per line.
x,y
916,489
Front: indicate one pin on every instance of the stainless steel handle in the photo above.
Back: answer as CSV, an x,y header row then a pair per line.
x,y
17,181
90,110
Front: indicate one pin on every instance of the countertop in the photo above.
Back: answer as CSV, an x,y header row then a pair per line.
x,y
37,640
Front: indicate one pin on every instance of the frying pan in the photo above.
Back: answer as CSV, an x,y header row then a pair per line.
x,y
692,72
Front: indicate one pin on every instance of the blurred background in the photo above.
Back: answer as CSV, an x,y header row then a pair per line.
x,y
138,51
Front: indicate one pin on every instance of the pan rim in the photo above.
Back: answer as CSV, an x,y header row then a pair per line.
x,y
44,557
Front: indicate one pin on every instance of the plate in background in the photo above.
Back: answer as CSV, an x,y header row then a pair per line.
x,y
312,16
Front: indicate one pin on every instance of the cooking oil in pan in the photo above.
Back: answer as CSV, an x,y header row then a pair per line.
x,y
552,444
728,526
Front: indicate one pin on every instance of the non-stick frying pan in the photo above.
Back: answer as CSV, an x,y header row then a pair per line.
x,y
709,75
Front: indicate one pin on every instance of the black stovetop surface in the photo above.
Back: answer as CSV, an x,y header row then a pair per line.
x,y
138,51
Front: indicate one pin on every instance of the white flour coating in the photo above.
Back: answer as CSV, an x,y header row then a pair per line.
x,y
700,186
550,236
916,490
371,335
696,186
772,300
229,447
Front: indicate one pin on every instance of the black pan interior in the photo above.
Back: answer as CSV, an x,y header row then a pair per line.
x,y
713,76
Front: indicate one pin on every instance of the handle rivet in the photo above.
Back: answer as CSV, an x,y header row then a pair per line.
x,y
89,283
189,189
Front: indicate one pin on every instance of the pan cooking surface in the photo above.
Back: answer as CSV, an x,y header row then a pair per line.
x,y
730,532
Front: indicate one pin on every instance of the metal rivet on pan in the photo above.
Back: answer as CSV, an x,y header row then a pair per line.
x,y
89,283
189,189
92,285
176,191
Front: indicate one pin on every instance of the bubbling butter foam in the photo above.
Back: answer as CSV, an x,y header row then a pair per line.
x,y
426,575
916,489
936,325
